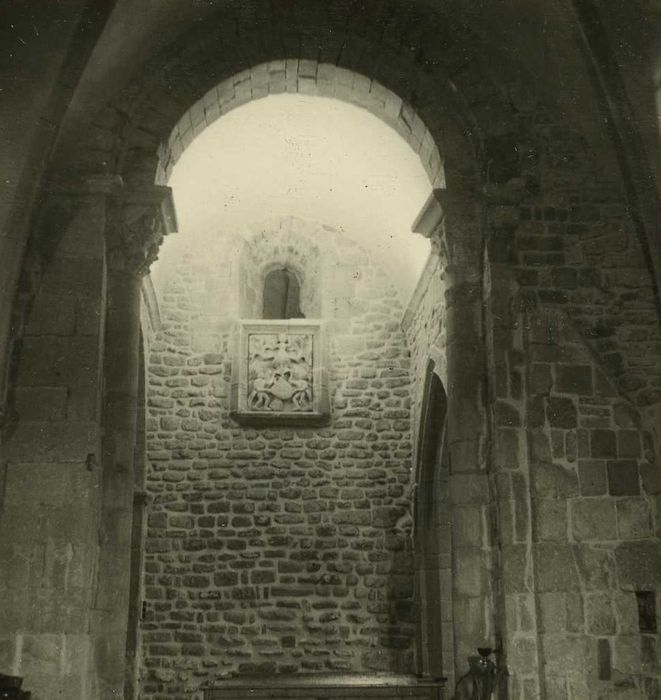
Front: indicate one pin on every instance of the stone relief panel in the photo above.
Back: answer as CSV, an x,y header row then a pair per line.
x,y
280,372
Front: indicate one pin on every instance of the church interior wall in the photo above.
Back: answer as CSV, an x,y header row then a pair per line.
x,y
274,549
555,501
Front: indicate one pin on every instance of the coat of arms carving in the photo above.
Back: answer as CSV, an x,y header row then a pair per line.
x,y
280,372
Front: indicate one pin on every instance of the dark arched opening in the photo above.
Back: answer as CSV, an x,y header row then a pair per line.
x,y
431,535
282,295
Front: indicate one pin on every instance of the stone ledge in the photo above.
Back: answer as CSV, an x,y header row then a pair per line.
x,y
326,686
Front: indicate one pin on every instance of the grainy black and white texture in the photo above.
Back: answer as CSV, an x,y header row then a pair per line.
x,y
537,125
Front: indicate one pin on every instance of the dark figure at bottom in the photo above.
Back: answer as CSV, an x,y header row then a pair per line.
x,y
481,680
10,688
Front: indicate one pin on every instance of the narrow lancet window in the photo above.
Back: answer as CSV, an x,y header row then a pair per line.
x,y
282,295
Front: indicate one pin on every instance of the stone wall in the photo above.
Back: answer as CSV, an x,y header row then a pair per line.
x,y
577,520
51,608
594,516
571,499
573,344
424,325
279,549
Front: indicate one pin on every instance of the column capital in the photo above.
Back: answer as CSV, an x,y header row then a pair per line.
x,y
452,223
138,219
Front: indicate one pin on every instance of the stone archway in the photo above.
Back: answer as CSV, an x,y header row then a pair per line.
x,y
130,217
303,77
518,182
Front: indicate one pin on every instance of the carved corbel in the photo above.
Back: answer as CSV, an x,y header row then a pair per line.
x,y
138,221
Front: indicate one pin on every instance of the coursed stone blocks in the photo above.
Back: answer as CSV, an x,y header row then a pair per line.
x,y
302,532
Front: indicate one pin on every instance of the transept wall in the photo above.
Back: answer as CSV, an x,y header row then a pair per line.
x,y
549,351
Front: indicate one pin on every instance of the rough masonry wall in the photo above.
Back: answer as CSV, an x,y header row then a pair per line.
x,y
424,326
577,520
574,349
279,549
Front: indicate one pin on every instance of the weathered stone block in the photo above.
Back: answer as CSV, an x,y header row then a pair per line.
x,y
556,568
536,412
639,565
593,519
540,378
628,443
469,488
540,448
554,481
352,518
523,654
603,443
625,416
634,519
626,654
651,476
567,654
467,526
556,689
40,655
469,572
558,443
551,517
592,477
623,478
169,423
225,578
626,611
600,614
575,612
561,412
565,277
515,566
571,445
553,612
262,577
596,566
573,379
465,455
506,414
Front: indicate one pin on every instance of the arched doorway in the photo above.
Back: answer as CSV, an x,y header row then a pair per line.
x,y
432,536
